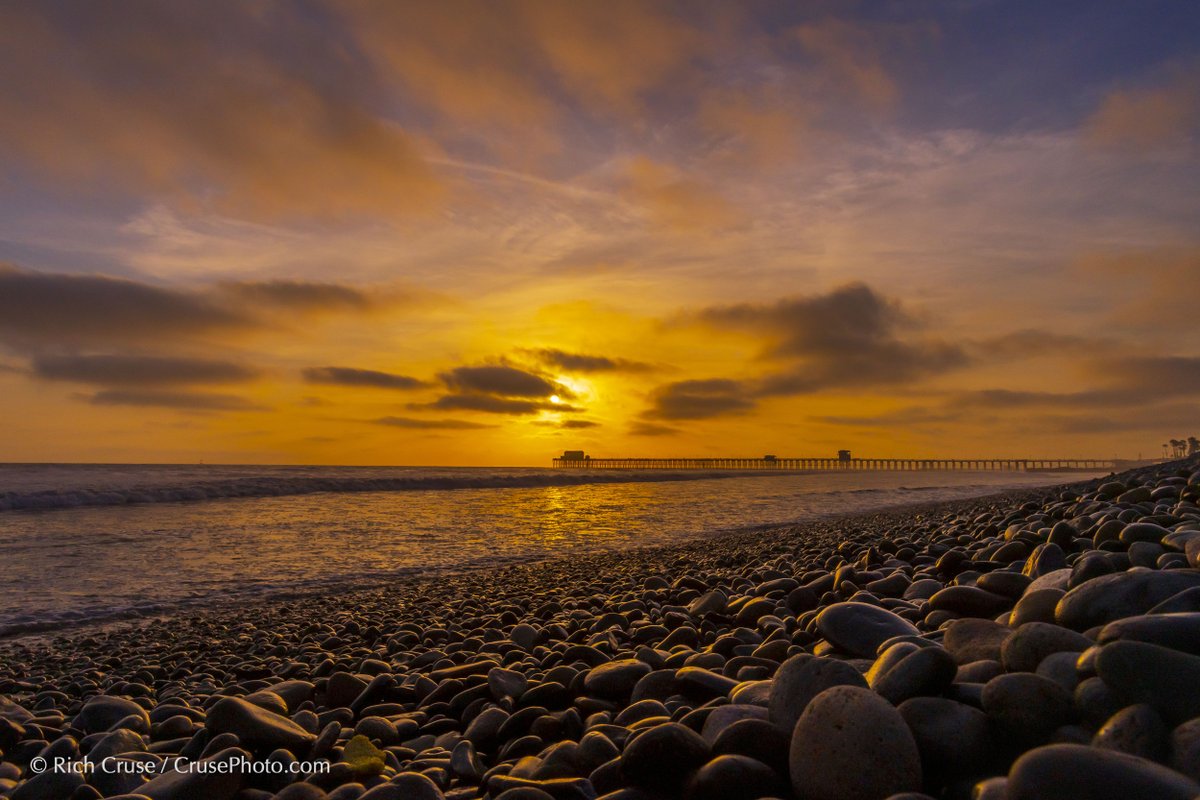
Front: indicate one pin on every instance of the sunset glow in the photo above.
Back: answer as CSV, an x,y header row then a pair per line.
x,y
393,233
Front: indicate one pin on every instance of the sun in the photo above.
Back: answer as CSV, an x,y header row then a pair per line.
x,y
555,399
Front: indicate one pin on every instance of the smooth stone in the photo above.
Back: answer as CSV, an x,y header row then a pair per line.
x,y
1143,532
926,671
49,785
1176,631
970,640
953,738
1035,607
506,683
859,628
663,758
1186,601
733,777
1138,730
256,728
1121,594
1058,579
615,680
969,601
801,678
1185,749
211,783
117,743
405,786
759,740
1026,706
1077,772
851,744
1033,641
723,716
103,711
1147,673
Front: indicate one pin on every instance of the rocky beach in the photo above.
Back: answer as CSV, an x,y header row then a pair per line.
x,y
1037,644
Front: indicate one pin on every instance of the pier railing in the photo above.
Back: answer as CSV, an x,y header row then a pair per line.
x,y
852,464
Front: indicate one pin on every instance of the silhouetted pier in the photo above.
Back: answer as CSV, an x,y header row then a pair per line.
x,y
576,460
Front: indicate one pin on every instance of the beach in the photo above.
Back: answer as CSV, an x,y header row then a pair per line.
x,y
1039,643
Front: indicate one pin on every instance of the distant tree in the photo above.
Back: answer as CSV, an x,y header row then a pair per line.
x,y
1193,445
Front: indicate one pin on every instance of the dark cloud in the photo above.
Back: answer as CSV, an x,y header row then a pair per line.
x,y
128,370
350,376
652,429
184,401
699,399
850,337
578,423
503,381
431,424
1033,342
579,362
300,296
40,307
494,405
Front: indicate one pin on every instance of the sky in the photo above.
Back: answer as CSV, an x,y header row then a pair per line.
x,y
480,233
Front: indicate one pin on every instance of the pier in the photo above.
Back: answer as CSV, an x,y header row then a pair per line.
x,y
844,462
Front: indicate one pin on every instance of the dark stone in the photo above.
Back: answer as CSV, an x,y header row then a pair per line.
x,y
615,680
1027,707
1179,631
734,778
801,678
1147,673
970,640
1033,641
256,728
925,671
663,758
851,744
1077,772
1138,730
953,738
859,628
1122,594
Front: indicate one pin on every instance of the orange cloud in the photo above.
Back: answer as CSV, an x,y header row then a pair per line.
x,y
674,200
170,101
1149,117
852,53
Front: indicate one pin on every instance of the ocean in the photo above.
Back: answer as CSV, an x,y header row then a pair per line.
x,y
89,544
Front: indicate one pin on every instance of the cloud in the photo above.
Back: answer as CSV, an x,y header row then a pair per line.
x,y
431,424
1032,343
676,201
494,405
849,337
578,424
183,401
132,370
350,376
651,429
1149,117
301,296
503,381
579,362
699,399
851,53
61,308
254,111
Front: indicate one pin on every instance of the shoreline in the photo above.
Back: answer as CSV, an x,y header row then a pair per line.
x,y
863,651
411,578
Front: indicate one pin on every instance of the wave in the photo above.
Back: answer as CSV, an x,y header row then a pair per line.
x,y
282,486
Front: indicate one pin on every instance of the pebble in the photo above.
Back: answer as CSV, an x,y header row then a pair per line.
x,y
851,744
801,678
1075,772
859,628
